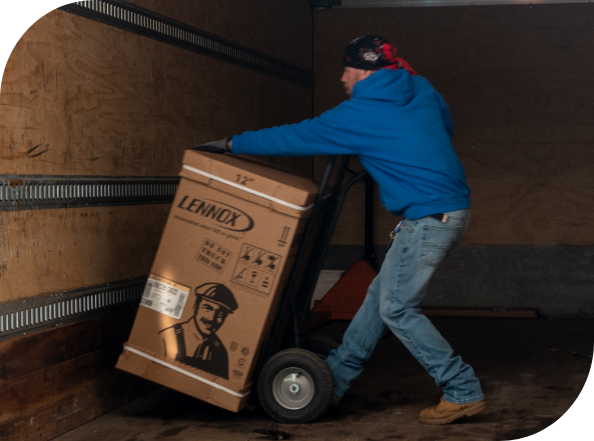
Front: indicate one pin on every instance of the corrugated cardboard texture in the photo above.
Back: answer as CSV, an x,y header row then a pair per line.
x,y
262,183
145,368
216,280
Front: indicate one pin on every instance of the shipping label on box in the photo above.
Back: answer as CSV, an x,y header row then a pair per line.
x,y
165,296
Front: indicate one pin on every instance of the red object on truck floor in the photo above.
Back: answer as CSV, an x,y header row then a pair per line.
x,y
344,299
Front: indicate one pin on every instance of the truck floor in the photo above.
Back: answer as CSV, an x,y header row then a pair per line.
x,y
532,371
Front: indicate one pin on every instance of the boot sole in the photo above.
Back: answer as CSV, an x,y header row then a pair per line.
x,y
468,412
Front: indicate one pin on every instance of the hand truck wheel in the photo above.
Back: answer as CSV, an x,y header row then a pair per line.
x,y
295,386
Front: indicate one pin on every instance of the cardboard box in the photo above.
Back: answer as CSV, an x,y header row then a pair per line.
x,y
224,257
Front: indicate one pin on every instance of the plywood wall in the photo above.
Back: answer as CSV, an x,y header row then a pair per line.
x,y
279,28
518,80
80,97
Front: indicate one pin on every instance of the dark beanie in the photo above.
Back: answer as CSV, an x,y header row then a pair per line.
x,y
366,53
373,52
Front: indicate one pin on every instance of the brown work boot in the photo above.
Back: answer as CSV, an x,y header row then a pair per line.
x,y
446,412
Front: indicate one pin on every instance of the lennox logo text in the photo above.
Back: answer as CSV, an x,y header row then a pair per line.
x,y
225,216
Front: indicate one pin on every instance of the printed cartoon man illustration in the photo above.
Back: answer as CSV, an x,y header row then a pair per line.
x,y
196,339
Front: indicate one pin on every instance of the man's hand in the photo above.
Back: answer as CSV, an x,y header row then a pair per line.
x,y
221,146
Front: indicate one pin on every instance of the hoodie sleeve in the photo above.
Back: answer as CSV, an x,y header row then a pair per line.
x,y
323,135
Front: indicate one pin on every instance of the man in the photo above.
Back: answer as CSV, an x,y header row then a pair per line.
x,y
196,342
400,128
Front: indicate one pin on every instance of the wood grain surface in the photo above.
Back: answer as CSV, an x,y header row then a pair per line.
x,y
53,381
518,81
81,402
83,98
279,28
47,251
36,352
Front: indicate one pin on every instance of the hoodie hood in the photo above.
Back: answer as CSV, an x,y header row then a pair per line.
x,y
390,85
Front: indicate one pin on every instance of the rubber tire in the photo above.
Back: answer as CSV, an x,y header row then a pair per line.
x,y
320,374
319,345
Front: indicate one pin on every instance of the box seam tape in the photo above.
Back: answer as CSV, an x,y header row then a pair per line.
x,y
249,190
181,371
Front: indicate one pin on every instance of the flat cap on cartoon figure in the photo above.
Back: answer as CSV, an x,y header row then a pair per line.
x,y
217,293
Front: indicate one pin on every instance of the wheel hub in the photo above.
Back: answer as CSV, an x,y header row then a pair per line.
x,y
293,388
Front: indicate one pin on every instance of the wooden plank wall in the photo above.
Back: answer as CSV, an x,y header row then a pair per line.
x,y
83,98
518,80
54,381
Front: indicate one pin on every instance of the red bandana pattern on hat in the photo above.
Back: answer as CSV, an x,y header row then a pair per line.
x,y
373,52
396,62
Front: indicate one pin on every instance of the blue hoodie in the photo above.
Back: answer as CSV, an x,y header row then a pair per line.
x,y
399,127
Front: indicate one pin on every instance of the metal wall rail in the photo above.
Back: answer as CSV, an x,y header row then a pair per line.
x,y
420,3
31,192
26,316
141,21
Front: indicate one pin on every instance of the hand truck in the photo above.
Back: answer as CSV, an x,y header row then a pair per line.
x,y
293,382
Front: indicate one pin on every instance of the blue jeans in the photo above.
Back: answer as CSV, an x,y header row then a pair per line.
x,y
392,302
